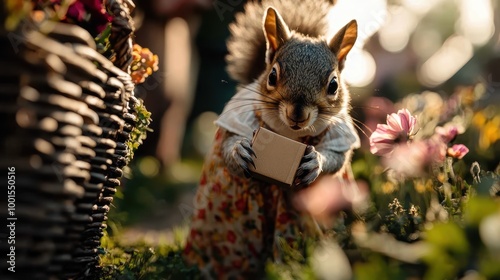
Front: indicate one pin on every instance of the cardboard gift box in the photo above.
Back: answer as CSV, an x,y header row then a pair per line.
x,y
277,158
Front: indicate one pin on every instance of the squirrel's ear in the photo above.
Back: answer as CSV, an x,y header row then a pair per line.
x,y
343,41
276,32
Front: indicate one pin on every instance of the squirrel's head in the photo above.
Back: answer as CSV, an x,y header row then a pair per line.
x,y
302,80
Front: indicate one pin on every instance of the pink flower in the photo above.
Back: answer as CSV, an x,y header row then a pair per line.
x,y
399,129
457,151
329,195
89,14
436,149
413,159
76,11
409,160
447,133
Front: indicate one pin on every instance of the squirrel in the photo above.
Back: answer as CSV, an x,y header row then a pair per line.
x,y
290,81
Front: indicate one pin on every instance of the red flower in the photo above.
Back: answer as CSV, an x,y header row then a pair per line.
x,y
188,248
193,233
89,14
201,214
240,204
216,188
76,11
236,263
252,250
203,179
284,218
231,237
223,206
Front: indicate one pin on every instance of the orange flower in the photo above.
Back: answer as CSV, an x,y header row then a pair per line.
x,y
143,65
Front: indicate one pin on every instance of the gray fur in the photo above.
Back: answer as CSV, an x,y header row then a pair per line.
x,y
310,167
247,44
299,102
237,153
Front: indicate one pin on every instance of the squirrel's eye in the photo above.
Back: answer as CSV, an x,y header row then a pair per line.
x,y
333,86
273,78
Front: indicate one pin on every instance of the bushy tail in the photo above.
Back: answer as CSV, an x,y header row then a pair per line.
x,y
247,44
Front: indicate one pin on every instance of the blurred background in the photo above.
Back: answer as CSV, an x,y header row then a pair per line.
x,y
433,47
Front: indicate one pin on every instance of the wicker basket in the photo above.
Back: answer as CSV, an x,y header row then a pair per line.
x,y
68,112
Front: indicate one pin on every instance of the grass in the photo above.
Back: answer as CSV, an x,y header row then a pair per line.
x,y
145,261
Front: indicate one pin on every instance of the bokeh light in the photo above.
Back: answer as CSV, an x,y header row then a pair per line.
x,y
476,21
369,18
149,166
359,76
453,55
395,34
420,7
183,172
426,42
204,131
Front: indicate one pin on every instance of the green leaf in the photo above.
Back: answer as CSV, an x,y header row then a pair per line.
x,y
449,251
376,268
448,236
478,208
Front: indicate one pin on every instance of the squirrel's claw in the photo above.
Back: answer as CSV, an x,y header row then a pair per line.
x,y
242,154
309,168
252,153
247,173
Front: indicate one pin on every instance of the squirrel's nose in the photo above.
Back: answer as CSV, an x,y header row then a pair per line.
x,y
296,116
298,121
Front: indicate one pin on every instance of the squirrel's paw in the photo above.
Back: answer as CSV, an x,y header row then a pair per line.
x,y
242,155
310,167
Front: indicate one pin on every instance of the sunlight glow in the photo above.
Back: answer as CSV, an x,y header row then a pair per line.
x,y
359,76
420,7
402,21
453,55
395,34
370,15
426,42
476,21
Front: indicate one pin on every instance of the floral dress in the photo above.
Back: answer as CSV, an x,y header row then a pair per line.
x,y
239,222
